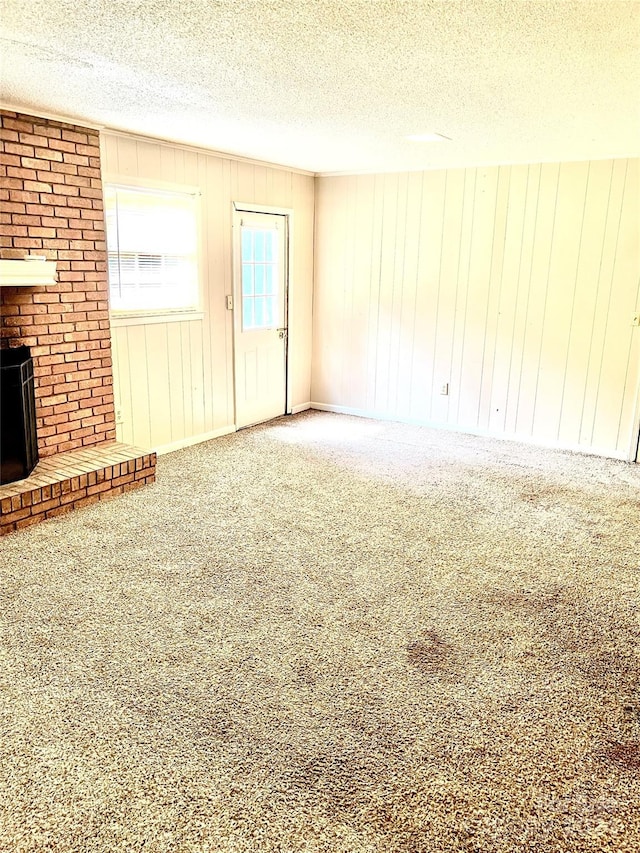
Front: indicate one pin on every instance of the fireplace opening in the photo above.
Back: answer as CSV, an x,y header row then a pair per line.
x,y
18,441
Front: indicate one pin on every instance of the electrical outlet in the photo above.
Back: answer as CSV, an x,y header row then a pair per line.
x,y
118,416
635,320
444,389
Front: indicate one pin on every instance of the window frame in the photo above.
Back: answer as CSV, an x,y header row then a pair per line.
x,y
138,316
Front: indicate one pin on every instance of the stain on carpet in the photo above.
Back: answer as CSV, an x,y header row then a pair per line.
x,y
624,755
431,654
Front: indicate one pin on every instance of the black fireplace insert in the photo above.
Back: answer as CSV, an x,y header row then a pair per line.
x,y
18,441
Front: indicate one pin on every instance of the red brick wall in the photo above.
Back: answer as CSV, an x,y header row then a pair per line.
x,y
51,204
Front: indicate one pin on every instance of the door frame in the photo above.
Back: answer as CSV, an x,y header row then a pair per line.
x,y
287,212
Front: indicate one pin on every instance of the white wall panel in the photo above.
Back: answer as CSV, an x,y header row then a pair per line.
x,y
516,285
173,381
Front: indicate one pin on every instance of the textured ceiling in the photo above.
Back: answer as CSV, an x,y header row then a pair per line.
x,y
337,85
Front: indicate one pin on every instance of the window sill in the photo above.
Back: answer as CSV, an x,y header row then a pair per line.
x,y
144,318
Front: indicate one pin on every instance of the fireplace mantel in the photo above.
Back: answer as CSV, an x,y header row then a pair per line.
x,y
30,272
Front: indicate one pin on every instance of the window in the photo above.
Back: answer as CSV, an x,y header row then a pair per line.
x,y
152,242
260,255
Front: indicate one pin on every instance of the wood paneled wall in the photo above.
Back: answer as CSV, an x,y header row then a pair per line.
x,y
514,285
173,381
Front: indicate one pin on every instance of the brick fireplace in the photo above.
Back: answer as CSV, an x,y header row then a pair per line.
x,y
51,205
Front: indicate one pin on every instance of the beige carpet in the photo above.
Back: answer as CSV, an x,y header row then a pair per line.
x,y
329,634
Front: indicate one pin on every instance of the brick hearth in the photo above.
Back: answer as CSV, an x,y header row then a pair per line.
x,y
69,481
51,204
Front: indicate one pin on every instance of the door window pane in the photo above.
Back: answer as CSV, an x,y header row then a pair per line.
x,y
247,279
269,278
247,250
247,312
258,245
270,247
259,313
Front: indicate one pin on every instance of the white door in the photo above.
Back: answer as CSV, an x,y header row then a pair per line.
x,y
260,316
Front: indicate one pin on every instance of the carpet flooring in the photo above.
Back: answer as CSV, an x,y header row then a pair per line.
x,y
329,635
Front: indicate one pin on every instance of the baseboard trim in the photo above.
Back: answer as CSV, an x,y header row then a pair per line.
x,y
301,408
484,433
193,439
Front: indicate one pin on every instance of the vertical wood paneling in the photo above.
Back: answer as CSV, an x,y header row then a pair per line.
x,y
516,285
543,234
361,258
448,277
629,251
386,284
122,388
501,338
154,338
167,164
207,247
407,313
494,295
397,297
373,303
109,151
347,374
224,393
187,368
477,299
127,158
300,297
151,163
330,232
196,358
429,247
608,242
557,316
523,292
585,292
140,399
457,385
619,334
174,380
